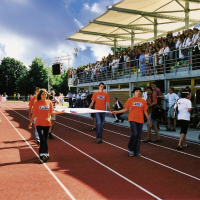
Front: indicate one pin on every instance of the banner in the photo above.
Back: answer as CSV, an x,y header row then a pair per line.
x,y
3,99
78,110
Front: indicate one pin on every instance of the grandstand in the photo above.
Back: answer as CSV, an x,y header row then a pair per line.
x,y
130,25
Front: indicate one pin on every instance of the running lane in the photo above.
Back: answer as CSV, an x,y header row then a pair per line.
x,y
85,177
158,179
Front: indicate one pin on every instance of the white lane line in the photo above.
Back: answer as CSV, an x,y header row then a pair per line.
x,y
133,183
174,138
141,140
91,125
55,177
124,150
123,177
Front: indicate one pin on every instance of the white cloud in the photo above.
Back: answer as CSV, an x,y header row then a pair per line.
x,y
86,6
78,23
99,51
97,8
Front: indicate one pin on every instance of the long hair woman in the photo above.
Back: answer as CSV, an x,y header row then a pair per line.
x,y
137,107
42,110
184,108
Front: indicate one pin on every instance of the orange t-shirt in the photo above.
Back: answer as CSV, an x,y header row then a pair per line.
x,y
32,101
100,99
42,111
137,106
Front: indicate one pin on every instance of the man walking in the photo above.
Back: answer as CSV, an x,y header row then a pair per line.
x,y
31,104
54,101
172,98
152,104
100,98
157,92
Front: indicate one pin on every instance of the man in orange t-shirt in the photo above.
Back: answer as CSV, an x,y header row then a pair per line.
x,y
100,98
31,104
137,107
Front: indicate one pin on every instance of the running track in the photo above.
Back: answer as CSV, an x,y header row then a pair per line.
x,y
79,168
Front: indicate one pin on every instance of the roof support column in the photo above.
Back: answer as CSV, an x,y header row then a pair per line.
x,y
155,28
132,39
115,44
187,15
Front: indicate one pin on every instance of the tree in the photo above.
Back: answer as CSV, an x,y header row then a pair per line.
x,y
10,71
37,75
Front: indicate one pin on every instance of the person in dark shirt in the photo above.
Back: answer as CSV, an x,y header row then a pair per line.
x,y
118,106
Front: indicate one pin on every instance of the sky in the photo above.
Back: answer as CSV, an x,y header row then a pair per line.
x,y
30,28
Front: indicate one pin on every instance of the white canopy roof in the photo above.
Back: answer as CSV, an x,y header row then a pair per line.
x,y
137,21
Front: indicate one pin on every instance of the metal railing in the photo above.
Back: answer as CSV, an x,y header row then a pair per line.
x,y
185,59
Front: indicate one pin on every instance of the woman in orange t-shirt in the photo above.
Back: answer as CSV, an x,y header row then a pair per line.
x,y
42,110
137,107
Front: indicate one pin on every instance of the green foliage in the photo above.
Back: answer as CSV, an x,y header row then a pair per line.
x,y
10,71
14,77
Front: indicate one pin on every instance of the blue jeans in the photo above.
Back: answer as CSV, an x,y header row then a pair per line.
x,y
100,119
135,138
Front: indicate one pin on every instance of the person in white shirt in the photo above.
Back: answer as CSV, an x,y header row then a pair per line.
x,y
172,99
18,96
144,94
83,99
115,67
184,107
189,41
195,36
166,56
181,49
78,96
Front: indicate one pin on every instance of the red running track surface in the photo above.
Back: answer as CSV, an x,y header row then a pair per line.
x,y
88,170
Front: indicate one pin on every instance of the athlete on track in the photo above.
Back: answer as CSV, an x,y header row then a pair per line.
x,y
31,104
137,107
42,110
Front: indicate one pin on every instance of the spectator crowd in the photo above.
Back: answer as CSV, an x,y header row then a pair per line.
x,y
146,59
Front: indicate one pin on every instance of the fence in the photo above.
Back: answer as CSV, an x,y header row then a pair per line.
x,y
185,59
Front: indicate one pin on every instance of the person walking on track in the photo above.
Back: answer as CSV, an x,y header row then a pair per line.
x,y
152,105
137,107
184,108
100,98
54,101
31,104
42,110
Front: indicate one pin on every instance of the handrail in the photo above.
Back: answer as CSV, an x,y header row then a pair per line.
x,y
183,57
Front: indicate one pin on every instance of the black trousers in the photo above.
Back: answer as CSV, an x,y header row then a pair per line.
x,y
118,116
43,133
70,103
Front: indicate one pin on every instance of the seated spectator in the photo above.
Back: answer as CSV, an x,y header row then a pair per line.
x,y
118,106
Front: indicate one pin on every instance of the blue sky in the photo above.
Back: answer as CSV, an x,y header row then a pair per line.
x,y
30,28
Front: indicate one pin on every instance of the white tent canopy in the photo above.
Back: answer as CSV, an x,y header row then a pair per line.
x,y
132,22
